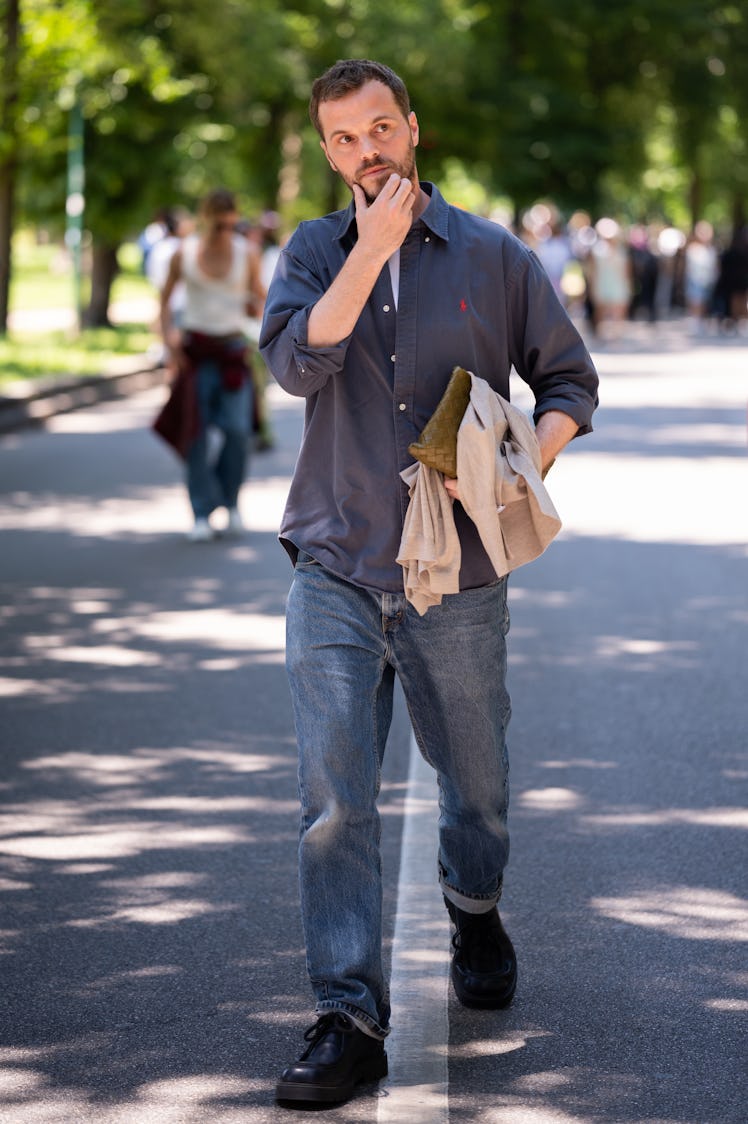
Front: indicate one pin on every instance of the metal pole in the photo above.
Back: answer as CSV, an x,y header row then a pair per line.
x,y
75,204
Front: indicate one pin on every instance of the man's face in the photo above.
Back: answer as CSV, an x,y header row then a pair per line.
x,y
367,138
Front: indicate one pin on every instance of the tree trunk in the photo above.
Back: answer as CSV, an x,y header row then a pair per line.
x,y
7,194
695,195
289,177
8,151
104,269
270,167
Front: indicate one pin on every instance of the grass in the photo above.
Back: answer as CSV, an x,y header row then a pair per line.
x,y
43,276
43,280
29,355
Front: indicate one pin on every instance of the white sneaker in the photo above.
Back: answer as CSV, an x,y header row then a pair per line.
x,y
201,532
235,526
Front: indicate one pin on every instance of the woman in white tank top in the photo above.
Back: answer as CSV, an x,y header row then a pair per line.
x,y
213,388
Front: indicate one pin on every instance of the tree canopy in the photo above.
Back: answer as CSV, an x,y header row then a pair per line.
x,y
638,109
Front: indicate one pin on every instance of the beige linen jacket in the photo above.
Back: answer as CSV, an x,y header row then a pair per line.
x,y
498,467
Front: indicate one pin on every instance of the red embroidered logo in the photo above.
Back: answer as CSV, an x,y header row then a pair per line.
x,y
463,305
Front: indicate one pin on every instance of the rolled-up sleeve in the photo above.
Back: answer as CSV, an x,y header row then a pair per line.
x,y
470,295
296,287
546,349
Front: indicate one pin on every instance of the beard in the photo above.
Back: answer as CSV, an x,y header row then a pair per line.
x,y
406,169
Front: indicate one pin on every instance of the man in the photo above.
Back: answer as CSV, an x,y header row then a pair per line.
x,y
369,311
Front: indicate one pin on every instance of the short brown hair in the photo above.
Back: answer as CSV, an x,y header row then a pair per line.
x,y
349,75
219,201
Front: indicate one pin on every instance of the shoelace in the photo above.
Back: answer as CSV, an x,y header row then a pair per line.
x,y
334,1020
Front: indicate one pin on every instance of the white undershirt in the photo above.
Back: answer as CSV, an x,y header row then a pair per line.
x,y
215,305
394,264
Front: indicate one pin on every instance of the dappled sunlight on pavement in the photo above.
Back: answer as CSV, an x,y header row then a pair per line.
x,y
153,962
689,912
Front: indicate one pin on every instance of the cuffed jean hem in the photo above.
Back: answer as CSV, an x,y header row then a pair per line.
x,y
477,905
363,1021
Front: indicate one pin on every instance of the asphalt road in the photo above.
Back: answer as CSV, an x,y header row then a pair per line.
x,y
152,961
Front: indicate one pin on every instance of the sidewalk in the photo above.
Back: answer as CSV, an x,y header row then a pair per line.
x,y
31,401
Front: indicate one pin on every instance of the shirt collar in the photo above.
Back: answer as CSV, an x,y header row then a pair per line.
x,y
435,217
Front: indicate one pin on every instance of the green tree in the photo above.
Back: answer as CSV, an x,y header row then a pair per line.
x,y
133,104
639,107
9,80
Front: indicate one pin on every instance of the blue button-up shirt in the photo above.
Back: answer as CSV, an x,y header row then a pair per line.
x,y
470,295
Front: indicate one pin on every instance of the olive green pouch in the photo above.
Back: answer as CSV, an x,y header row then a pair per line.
x,y
437,445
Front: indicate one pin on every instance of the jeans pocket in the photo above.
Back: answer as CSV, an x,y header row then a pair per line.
x,y
305,561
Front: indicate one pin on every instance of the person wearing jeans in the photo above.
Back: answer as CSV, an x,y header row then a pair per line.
x,y
345,646
369,311
220,270
215,477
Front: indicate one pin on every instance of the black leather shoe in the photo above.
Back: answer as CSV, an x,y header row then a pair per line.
x,y
484,964
338,1058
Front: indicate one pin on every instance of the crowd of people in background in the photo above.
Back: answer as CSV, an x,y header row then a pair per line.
x,y
606,274
651,272
611,272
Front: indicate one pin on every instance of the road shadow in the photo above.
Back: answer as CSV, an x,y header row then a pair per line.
x,y
153,964
625,893
153,960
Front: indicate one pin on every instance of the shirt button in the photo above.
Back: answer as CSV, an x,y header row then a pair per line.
x,y
427,239
402,406
393,358
386,308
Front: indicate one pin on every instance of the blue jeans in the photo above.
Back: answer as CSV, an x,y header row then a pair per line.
x,y
217,485
344,647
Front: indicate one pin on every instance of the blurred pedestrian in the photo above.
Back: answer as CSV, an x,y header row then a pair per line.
x,y
208,415
609,278
732,282
555,253
669,296
582,238
178,224
270,246
643,275
265,234
152,233
701,273
369,311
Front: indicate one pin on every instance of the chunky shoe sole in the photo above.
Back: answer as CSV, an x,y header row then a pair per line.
x,y
495,1002
368,1070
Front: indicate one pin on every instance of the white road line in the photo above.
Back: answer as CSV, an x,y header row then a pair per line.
x,y
417,1087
